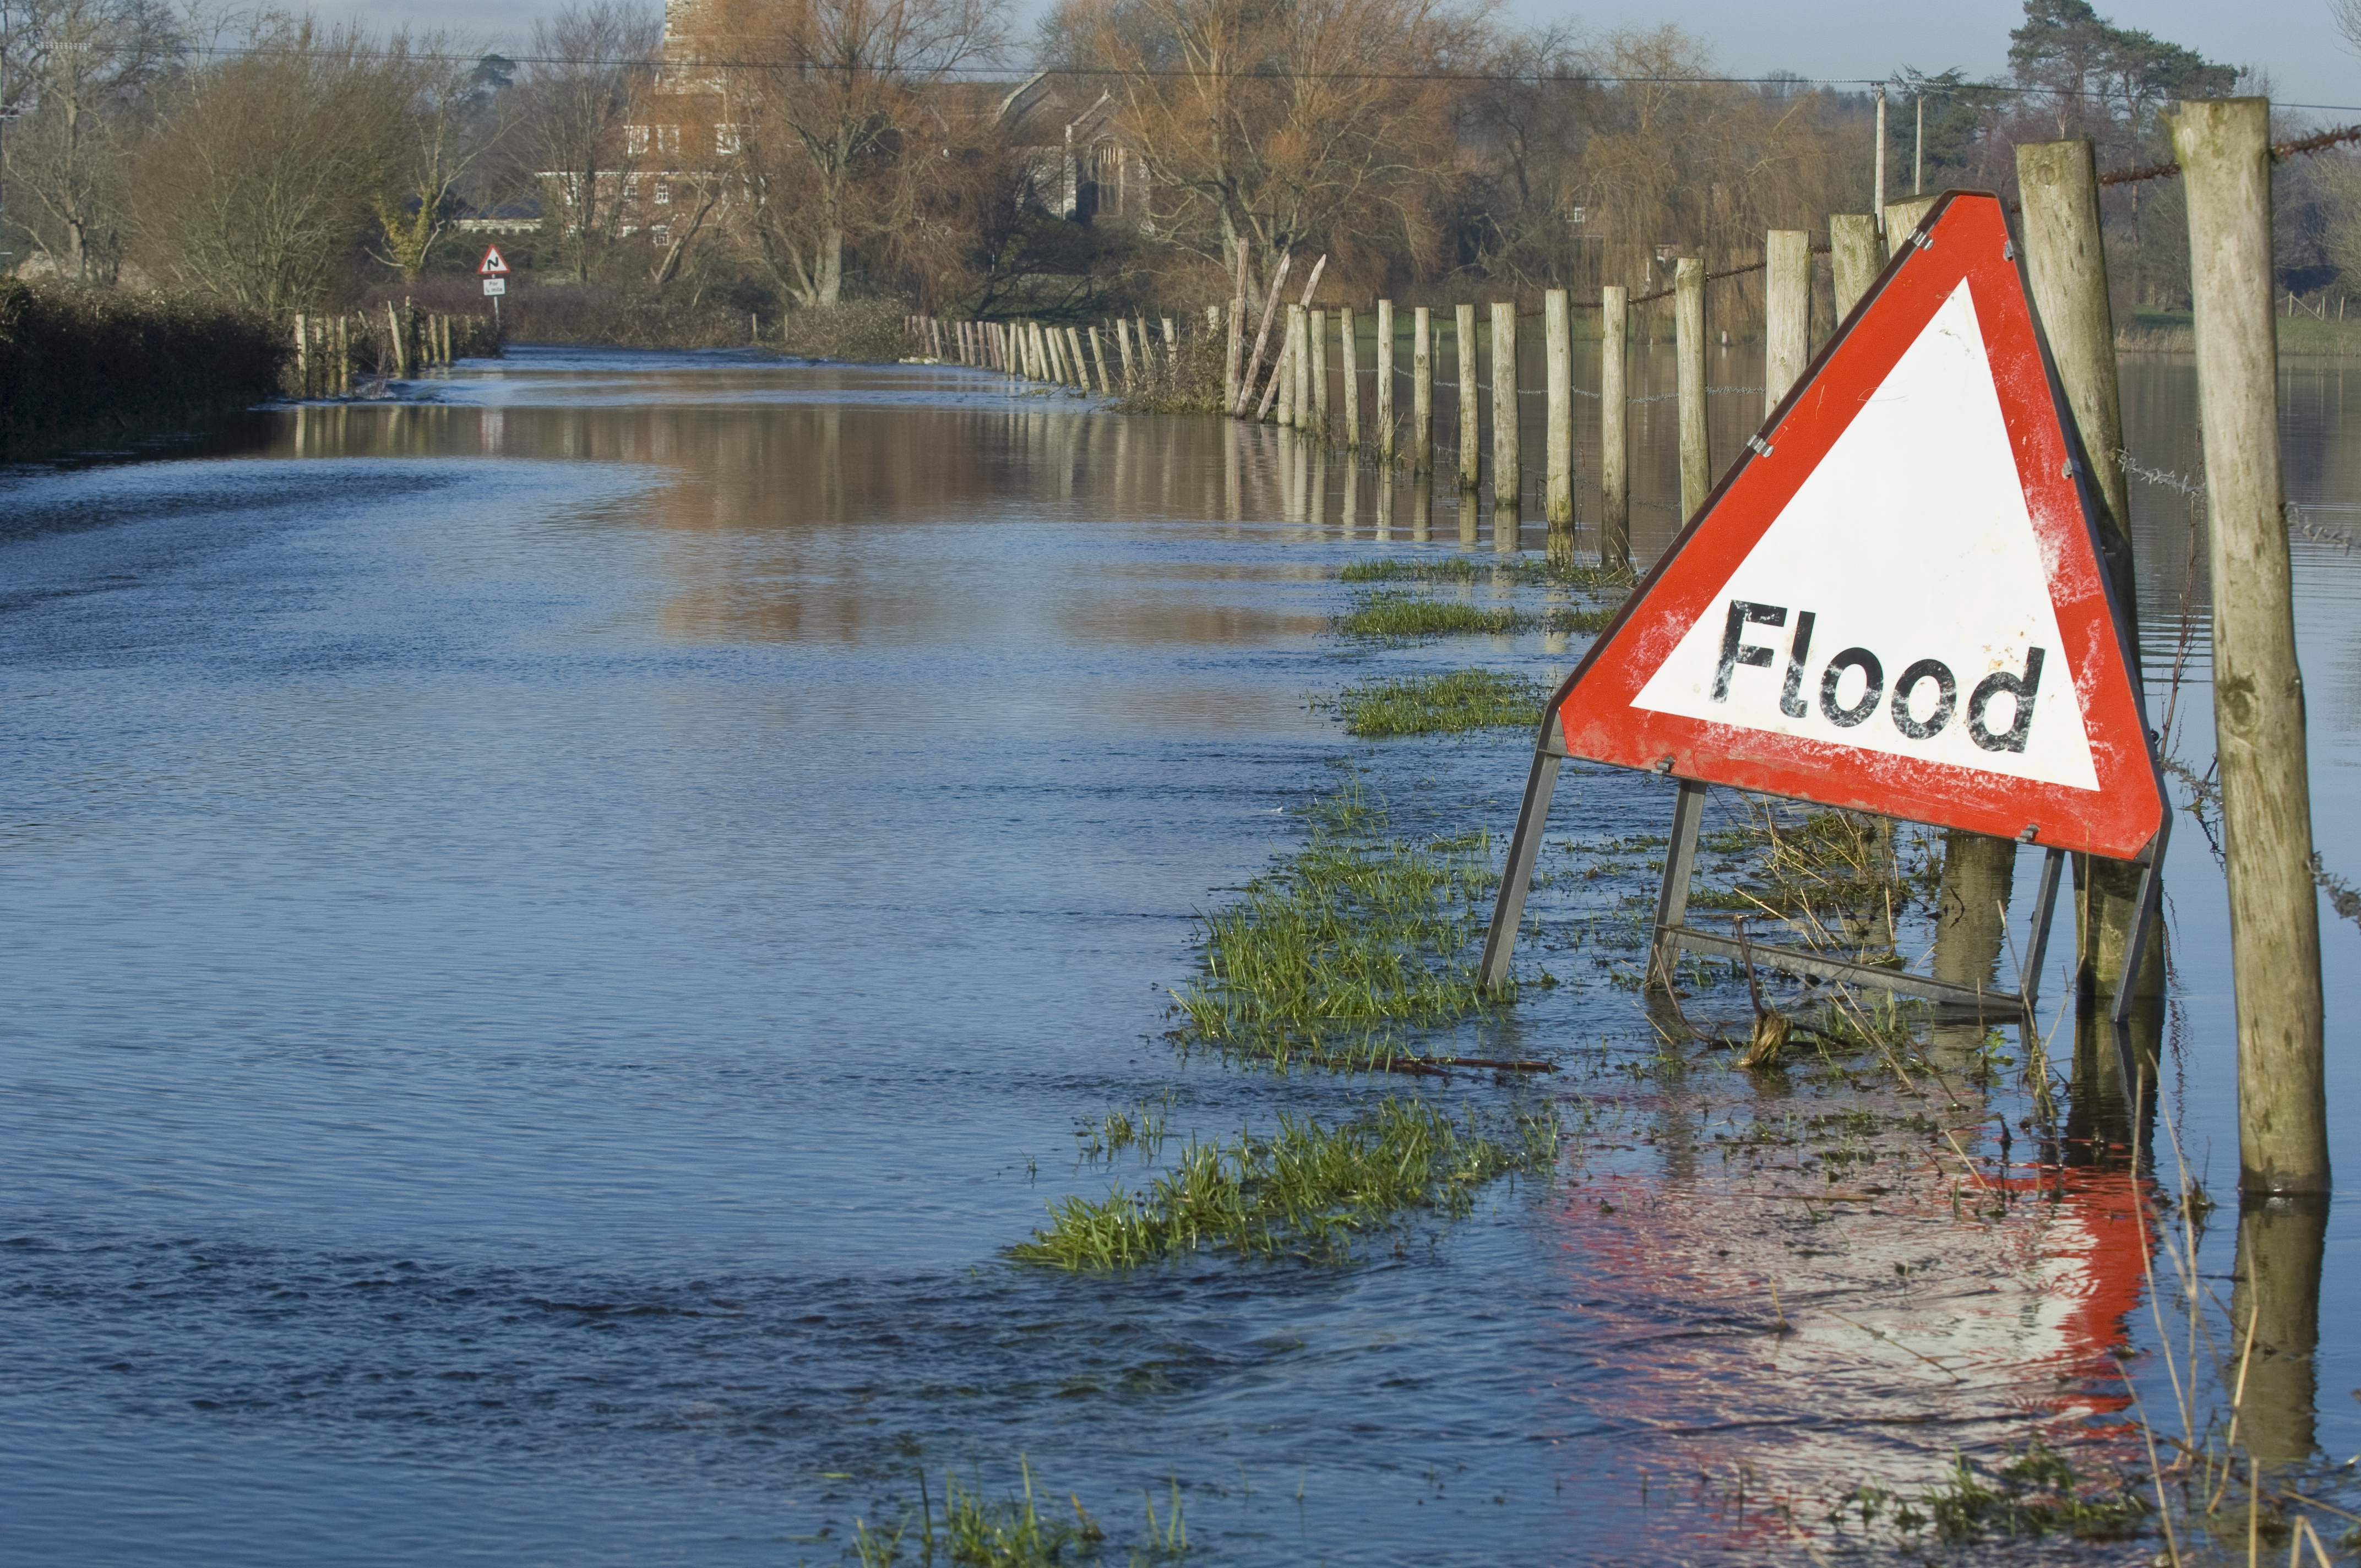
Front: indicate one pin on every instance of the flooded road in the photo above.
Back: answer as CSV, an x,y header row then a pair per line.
x,y
555,933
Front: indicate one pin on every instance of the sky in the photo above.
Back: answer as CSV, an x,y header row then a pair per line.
x,y
2292,41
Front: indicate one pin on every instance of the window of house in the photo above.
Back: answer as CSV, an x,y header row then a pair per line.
x,y
668,139
728,139
635,140
663,194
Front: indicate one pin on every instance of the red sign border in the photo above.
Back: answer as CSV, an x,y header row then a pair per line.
x,y
1964,237
485,269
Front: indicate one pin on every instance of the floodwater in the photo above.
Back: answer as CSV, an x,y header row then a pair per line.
x,y
555,933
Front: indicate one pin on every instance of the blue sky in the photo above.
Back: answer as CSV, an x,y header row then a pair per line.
x,y
2292,41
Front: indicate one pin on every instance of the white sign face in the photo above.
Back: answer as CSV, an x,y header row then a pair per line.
x,y
1900,602
496,285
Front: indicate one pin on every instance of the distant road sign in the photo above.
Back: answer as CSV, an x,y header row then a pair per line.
x,y
496,285
494,264
1895,602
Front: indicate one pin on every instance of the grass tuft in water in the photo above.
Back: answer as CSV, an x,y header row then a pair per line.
x,y
1448,704
1306,1188
976,1529
1356,935
2033,1493
1522,571
1394,615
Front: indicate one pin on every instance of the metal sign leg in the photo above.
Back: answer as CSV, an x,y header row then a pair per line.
x,y
2151,899
1680,867
1524,848
2037,952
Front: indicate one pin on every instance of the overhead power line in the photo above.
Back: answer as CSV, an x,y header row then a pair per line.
x,y
1019,74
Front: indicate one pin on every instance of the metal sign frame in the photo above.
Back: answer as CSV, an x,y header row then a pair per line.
x,y
1962,239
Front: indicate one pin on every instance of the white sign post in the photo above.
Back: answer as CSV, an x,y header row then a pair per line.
x,y
494,270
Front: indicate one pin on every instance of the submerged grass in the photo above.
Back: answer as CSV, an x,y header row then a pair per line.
x,y
1356,934
1306,1188
976,1529
1447,703
1393,615
1523,571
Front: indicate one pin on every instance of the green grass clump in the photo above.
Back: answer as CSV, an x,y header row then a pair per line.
x,y
1306,1189
1524,571
1442,569
1434,704
1355,933
1401,616
975,1530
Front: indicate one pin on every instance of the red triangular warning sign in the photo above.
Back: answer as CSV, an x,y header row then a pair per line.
x,y
1895,602
494,264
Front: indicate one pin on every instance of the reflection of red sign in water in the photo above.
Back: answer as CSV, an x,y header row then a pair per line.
x,y
1915,1328
1894,601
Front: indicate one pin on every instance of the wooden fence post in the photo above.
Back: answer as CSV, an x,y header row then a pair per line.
x,y
1507,456
1557,448
1786,313
1122,352
1902,217
1688,337
1348,346
302,357
2224,146
2065,261
1385,400
394,344
1098,356
1315,366
1471,452
1854,257
1614,433
1262,334
344,355
1421,390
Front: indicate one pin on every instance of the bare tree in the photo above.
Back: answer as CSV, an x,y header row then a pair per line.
x,y
1323,122
827,98
591,64
260,182
77,71
460,117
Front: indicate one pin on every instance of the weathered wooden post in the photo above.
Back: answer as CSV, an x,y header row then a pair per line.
x,y
1233,397
1557,453
1080,360
344,355
1262,335
1421,390
398,348
1688,337
1903,216
1123,353
2224,146
302,357
1171,342
1299,369
1508,457
1786,313
1854,258
1385,400
1315,366
2065,257
1614,432
1098,357
1471,452
1349,348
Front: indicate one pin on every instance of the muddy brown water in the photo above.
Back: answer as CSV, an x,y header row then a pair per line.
x,y
554,931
